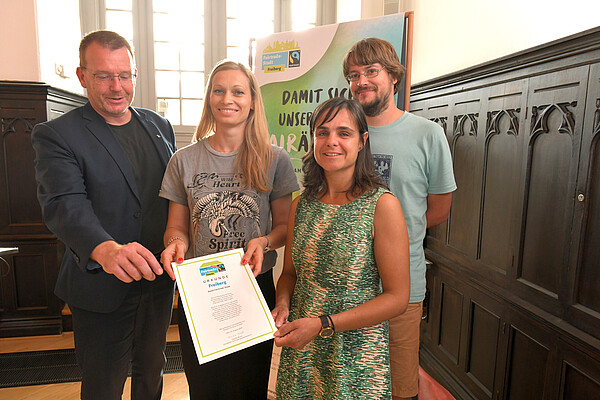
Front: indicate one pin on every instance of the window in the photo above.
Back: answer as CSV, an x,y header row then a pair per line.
x,y
119,17
304,14
177,42
247,20
178,28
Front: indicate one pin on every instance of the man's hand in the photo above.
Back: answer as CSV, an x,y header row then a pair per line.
x,y
127,262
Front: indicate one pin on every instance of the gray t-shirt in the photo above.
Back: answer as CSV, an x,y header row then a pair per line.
x,y
224,215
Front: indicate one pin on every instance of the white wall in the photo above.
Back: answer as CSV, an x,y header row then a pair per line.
x,y
59,36
453,35
19,41
36,35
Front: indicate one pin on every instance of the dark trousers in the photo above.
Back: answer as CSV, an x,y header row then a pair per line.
x,y
106,343
243,375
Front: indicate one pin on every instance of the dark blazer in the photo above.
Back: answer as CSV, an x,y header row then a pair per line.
x,y
88,194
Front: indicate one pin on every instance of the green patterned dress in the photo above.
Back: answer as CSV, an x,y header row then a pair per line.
x,y
336,271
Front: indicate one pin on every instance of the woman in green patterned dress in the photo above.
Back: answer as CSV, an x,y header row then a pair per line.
x,y
346,235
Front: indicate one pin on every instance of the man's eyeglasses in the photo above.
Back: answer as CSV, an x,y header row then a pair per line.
x,y
104,78
369,73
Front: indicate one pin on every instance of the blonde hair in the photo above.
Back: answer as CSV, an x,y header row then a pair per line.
x,y
255,154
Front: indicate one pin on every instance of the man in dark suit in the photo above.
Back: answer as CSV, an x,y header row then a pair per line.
x,y
99,169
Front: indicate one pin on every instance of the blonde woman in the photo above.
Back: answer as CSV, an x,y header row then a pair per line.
x,y
231,188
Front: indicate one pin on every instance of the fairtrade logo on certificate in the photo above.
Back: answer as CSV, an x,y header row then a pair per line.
x,y
211,269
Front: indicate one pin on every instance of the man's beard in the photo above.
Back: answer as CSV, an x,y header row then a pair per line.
x,y
377,106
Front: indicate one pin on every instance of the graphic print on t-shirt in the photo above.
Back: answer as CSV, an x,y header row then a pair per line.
x,y
383,166
222,220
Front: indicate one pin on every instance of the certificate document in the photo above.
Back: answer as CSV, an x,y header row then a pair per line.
x,y
224,306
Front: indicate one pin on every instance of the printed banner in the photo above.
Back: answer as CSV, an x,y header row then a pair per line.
x,y
299,70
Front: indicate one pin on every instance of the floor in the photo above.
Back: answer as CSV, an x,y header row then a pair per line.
x,y
175,385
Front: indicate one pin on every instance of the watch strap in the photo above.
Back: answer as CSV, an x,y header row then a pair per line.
x,y
327,329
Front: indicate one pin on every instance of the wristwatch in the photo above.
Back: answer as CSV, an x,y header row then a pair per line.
x,y
327,329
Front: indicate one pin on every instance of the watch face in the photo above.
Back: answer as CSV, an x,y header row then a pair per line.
x,y
326,332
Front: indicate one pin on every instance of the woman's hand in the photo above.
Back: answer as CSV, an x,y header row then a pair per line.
x,y
175,237
254,255
280,315
298,333
174,252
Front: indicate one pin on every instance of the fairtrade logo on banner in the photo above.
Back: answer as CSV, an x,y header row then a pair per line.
x,y
294,59
280,55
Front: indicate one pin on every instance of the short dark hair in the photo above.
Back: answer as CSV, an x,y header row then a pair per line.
x,y
374,50
108,39
365,177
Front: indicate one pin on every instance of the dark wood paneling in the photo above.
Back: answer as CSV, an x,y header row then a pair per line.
x,y
527,366
484,341
27,300
427,319
462,222
588,193
514,285
577,385
450,321
502,156
589,290
20,212
557,103
29,304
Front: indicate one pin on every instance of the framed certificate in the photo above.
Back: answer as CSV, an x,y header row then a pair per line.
x,y
224,306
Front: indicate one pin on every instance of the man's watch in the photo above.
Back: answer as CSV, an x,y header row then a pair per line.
x,y
327,329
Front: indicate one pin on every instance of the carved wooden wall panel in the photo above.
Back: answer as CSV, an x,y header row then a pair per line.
x,y
502,156
27,300
557,103
462,222
587,281
515,283
20,212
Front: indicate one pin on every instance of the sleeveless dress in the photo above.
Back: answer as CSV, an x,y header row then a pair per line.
x,y
336,271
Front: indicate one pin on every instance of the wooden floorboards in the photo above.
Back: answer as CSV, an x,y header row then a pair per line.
x,y
175,385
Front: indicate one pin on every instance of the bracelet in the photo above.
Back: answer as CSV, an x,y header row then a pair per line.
x,y
268,247
174,238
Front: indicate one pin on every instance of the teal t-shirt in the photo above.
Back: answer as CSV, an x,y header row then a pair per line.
x,y
413,157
